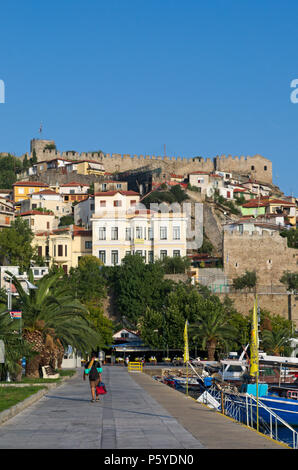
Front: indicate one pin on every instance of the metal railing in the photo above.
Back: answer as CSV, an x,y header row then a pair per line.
x,y
243,408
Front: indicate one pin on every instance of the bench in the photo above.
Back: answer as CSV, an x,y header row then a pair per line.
x,y
49,373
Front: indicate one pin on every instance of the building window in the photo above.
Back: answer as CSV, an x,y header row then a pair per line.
x,y
252,167
150,233
88,245
128,233
150,257
117,203
114,233
48,225
176,253
104,186
176,233
102,233
40,251
54,251
163,254
103,203
102,256
65,268
127,253
118,185
60,250
139,252
34,206
114,257
139,232
265,168
163,233
65,250
92,207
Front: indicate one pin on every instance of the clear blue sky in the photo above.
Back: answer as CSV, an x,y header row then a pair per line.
x,y
130,76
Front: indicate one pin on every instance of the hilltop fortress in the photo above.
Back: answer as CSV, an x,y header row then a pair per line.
x,y
255,167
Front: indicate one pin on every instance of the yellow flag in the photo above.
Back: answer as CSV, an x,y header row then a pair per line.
x,y
254,356
186,351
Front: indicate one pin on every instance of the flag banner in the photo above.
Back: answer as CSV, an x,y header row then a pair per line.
x,y
16,314
254,356
186,351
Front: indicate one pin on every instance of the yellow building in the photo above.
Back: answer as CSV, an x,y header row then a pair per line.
x,y
90,167
64,246
24,189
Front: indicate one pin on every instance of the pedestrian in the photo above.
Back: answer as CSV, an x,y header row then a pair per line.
x,y
93,370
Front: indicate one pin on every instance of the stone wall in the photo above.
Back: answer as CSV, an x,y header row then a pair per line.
x,y
264,253
250,165
285,304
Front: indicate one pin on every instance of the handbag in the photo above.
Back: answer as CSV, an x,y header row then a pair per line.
x,y
101,389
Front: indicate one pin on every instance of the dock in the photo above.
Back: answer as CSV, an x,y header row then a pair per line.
x,y
137,413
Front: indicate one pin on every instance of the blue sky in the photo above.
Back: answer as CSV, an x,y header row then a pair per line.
x,y
130,76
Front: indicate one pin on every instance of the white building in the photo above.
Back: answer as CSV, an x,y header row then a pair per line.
x,y
83,212
121,226
49,200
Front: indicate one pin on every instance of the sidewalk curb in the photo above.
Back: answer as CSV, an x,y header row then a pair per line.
x,y
14,410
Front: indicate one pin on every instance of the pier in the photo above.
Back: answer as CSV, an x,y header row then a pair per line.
x,y
136,413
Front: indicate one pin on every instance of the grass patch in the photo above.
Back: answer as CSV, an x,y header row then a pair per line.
x,y
10,396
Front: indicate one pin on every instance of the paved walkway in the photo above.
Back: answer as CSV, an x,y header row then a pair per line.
x,y
136,413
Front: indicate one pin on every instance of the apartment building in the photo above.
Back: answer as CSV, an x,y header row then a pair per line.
x,y
24,189
47,200
64,246
120,227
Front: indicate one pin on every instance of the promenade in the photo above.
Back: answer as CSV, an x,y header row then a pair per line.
x,y
136,413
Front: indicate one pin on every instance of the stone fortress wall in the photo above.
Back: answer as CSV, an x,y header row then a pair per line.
x,y
256,166
267,254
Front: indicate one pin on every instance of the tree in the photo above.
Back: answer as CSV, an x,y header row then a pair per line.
x,y
290,280
86,280
52,320
15,348
103,325
277,342
249,279
15,244
9,167
292,237
66,220
212,328
175,265
137,286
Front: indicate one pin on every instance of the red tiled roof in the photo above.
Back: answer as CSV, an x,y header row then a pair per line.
x,y
73,183
112,193
199,173
33,212
76,231
47,191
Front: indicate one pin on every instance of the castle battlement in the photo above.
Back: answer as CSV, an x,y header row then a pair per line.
x,y
256,166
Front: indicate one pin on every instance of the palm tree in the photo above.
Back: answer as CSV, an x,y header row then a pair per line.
x,y
212,328
52,320
15,348
277,342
